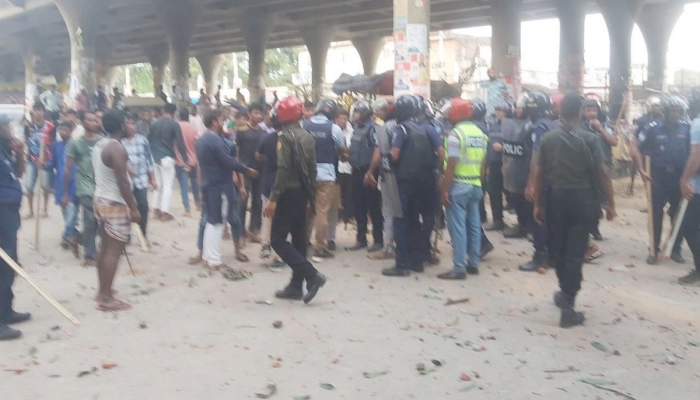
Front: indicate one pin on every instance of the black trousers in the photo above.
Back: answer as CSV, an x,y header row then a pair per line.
x,y
254,187
412,231
523,209
345,182
690,229
141,197
290,218
664,189
495,189
572,213
367,200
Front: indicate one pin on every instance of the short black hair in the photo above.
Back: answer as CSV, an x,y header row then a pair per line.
x,y
39,106
65,124
84,114
170,108
256,107
308,104
343,112
571,106
81,115
113,121
242,114
210,117
70,111
184,114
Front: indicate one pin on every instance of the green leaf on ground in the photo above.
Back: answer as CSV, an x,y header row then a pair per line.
x,y
454,323
694,344
597,382
327,386
370,375
432,289
86,373
307,397
32,351
599,346
54,376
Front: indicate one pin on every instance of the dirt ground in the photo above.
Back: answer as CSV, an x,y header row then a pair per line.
x,y
191,335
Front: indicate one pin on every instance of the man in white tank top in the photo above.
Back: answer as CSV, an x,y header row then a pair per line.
x,y
115,206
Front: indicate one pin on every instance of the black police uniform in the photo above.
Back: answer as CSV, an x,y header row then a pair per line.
x,y
669,147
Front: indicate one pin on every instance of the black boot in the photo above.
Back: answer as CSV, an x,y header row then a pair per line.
x,y
677,257
290,293
7,333
540,259
486,248
495,226
569,316
515,232
313,285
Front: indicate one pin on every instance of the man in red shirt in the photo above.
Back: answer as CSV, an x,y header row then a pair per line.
x,y
187,170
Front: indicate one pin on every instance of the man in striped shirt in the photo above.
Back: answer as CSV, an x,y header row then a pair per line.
x,y
140,168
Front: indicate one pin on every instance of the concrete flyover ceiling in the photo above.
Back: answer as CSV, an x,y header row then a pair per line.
x,y
133,25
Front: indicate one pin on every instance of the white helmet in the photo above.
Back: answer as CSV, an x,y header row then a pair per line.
x,y
652,101
522,101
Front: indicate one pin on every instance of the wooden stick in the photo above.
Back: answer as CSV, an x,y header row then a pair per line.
x,y
650,224
677,222
40,178
31,282
141,235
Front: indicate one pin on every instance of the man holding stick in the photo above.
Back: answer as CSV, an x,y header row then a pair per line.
x,y
690,188
12,166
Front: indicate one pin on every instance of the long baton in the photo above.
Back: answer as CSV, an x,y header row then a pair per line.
x,y
33,284
650,224
677,222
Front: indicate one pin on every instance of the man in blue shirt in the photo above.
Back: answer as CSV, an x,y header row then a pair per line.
x,y
330,148
216,171
690,188
57,164
12,165
667,145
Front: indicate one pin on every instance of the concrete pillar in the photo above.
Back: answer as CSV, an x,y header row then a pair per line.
x,y
317,40
656,21
255,27
572,27
211,66
619,17
60,69
505,41
102,55
158,56
412,47
179,18
30,76
369,49
82,18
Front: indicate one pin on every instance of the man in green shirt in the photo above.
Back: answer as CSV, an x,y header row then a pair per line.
x,y
572,163
291,196
80,153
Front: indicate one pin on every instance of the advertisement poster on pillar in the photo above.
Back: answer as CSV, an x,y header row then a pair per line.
x,y
400,13
419,58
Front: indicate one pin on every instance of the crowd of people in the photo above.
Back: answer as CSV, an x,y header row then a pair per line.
x,y
296,169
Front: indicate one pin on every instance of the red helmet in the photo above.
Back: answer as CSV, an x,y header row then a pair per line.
x,y
460,110
290,109
557,98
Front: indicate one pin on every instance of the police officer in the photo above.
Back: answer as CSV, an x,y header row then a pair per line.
x,y
461,189
330,148
366,199
668,145
416,152
539,107
653,114
517,151
494,162
596,122
570,161
12,165
292,193
690,188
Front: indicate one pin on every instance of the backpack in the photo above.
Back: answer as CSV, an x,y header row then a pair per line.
x,y
418,159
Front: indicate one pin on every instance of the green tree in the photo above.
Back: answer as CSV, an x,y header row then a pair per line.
x,y
281,65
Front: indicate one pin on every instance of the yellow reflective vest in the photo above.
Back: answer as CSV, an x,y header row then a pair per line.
x,y
472,150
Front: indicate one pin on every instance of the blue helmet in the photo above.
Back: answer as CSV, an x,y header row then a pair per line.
x,y
674,102
479,109
407,107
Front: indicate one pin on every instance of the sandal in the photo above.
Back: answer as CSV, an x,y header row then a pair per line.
x,y
242,258
113,305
